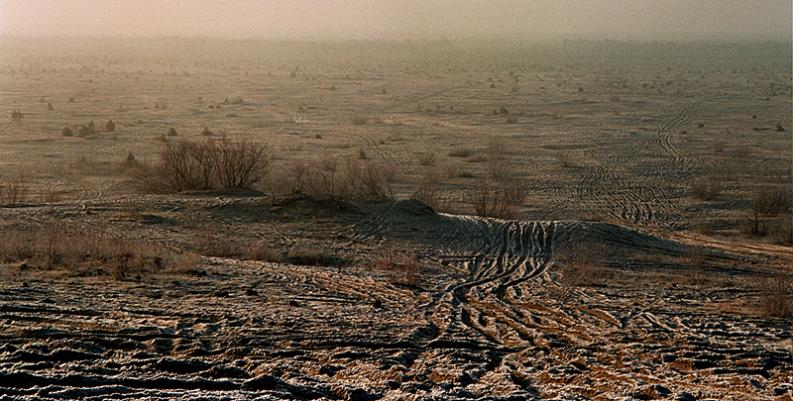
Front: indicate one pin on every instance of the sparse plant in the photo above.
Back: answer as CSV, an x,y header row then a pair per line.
x,y
110,126
359,120
427,159
208,165
566,158
771,202
430,193
461,152
314,257
14,190
67,132
87,130
402,268
84,253
581,266
499,200
706,189
776,295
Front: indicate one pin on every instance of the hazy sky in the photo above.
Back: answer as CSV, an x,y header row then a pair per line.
x,y
631,19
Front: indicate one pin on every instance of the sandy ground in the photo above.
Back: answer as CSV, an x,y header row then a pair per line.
x,y
675,315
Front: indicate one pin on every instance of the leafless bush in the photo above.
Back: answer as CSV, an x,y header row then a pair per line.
x,y
427,158
239,164
706,189
87,130
430,193
235,100
209,245
359,120
314,257
581,266
402,268
776,295
461,152
566,158
14,190
499,200
771,202
367,181
207,165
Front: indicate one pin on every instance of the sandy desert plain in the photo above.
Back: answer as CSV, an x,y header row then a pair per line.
x,y
444,220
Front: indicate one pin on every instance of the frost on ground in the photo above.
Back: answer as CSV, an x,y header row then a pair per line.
x,y
490,316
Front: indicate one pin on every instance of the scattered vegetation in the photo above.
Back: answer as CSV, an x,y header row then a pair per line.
x,y
581,266
496,199
14,190
359,120
706,189
776,295
402,268
214,164
84,252
771,202
461,152
427,158
350,179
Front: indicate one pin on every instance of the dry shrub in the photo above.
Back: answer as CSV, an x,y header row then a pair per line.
x,y
499,199
367,181
566,158
209,245
706,189
213,164
84,252
352,179
402,268
428,159
581,265
772,202
430,193
314,257
783,231
776,295
359,120
461,152
14,190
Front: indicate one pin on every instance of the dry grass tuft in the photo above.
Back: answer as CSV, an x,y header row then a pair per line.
x,y
776,296
461,152
582,266
314,257
84,253
209,245
14,190
496,199
706,189
402,268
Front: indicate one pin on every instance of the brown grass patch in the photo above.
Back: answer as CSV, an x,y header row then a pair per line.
x,y
83,252
402,268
